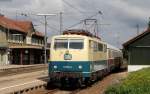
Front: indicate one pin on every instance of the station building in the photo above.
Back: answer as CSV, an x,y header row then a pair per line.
x,y
20,43
137,51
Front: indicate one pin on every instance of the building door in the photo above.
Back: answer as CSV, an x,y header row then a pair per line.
x,y
26,57
15,56
140,56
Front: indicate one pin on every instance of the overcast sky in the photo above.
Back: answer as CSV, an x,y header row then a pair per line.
x,y
119,17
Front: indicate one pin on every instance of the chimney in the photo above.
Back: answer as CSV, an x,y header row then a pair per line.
x,y
149,23
148,28
1,14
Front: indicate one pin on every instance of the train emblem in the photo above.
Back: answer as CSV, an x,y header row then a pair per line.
x,y
67,56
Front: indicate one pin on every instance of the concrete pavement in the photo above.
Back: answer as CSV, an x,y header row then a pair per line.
x,y
20,82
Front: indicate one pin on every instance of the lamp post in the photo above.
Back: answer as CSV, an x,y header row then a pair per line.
x,y
45,37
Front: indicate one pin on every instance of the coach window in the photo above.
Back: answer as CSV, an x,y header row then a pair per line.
x,y
76,44
100,47
61,44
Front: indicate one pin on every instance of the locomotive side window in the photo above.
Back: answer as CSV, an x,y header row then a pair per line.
x,y
105,48
91,44
61,44
100,47
95,46
76,43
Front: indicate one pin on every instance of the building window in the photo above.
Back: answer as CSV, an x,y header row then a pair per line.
x,y
16,38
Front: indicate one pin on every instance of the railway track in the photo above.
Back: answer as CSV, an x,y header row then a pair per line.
x,y
58,91
96,88
51,91
75,91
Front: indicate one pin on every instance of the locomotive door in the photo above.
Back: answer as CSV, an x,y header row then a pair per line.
x,y
91,54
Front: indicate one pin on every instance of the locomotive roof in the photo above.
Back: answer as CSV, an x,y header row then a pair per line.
x,y
78,36
81,36
80,32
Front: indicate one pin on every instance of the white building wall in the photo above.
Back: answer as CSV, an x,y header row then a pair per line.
x,y
28,40
3,58
132,68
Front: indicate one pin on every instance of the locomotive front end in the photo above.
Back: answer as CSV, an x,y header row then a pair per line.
x,y
69,57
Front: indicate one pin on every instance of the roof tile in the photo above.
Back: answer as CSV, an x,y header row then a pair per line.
x,y
22,26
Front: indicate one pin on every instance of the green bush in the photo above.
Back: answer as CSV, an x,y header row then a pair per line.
x,y
136,83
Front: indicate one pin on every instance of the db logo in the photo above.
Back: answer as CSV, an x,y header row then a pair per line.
x,y
67,56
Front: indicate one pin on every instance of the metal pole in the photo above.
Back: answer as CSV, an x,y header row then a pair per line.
x,y
61,24
16,16
45,39
137,26
97,28
8,39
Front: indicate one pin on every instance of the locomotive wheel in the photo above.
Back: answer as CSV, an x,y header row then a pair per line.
x,y
72,82
88,82
49,84
62,82
79,83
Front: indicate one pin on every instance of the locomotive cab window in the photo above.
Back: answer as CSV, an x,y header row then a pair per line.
x,y
61,44
76,44
100,47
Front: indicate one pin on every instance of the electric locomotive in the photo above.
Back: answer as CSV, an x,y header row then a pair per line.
x,y
79,57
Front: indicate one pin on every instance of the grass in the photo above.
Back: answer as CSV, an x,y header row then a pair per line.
x,y
136,83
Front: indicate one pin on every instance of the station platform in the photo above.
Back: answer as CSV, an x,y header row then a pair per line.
x,y
18,66
18,69
23,83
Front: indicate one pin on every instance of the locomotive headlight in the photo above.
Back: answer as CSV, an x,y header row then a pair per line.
x,y
55,67
80,67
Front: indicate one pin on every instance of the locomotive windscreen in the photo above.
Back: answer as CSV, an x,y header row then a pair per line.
x,y
61,44
68,44
76,44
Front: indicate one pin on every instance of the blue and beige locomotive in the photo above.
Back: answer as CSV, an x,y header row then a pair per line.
x,y
79,57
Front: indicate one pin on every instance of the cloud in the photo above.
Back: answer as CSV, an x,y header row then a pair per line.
x,y
122,15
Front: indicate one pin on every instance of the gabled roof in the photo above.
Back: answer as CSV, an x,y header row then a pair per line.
x,y
37,33
137,37
21,26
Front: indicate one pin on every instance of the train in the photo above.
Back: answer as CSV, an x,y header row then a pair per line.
x,y
78,57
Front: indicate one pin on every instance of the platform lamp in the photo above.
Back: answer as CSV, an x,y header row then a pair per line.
x,y
45,37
